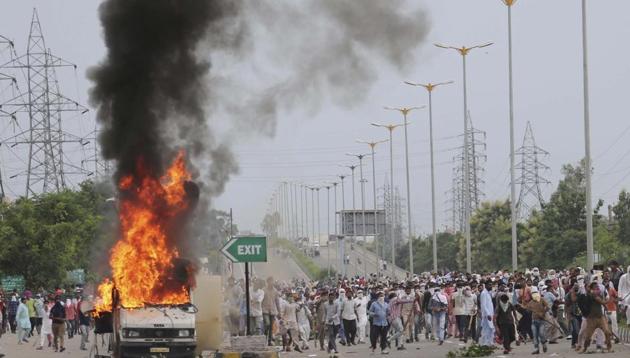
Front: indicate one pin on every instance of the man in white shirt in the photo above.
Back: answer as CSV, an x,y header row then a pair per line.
x,y
255,313
361,303
349,318
487,315
304,322
624,293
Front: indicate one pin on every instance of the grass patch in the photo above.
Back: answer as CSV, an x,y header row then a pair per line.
x,y
310,268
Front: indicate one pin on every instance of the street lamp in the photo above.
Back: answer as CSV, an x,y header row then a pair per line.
x,y
312,188
328,225
378,256
405,111
334,184
513,208
360,157
341,248
354,209
463,51
319,223
587,146
304,197
430,87
390,128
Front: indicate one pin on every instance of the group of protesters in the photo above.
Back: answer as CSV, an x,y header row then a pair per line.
x,y
44,317
491,309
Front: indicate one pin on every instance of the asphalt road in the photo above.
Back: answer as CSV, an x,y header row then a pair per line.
x,y
8,344
426,349
367,258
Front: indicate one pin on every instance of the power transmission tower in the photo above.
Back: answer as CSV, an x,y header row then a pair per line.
x,y
530,179
94,164
477,158
47,164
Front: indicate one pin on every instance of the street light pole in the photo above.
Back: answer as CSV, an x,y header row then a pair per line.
x,y
587,146
328,226
360,157
286,211
342,224
378,256
299,188
513,208
463,51
335,214
313,213
319,223
390,128
405,112
306,211
297,226
430,87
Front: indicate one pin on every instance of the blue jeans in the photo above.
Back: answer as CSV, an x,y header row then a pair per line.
x,y
439,319
539,334
576,323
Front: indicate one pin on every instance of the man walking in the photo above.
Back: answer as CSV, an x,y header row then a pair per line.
x,y
596,318
439,307
378,331
487,316
58,316
23,322
331,310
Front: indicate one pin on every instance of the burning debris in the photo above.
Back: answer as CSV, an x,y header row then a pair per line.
x,y
145,262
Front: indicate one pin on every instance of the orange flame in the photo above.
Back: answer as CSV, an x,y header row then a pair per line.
x,y
142,261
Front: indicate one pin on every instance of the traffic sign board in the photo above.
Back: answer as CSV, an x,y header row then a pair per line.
x,y
246,249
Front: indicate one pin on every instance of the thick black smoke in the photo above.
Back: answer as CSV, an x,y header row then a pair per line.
x,y
156,91
151,89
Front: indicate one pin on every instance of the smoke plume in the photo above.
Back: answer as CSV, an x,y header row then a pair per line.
x,y
156,90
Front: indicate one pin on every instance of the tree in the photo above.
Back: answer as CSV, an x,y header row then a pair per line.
x,y
46,236
561,227
448,244
491,237
622,217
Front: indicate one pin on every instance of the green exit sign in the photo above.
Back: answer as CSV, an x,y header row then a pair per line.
x,y
246,249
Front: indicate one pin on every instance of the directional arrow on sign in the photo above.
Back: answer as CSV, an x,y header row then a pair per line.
x,y
225,251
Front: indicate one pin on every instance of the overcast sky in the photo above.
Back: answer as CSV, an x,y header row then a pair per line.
x,y
308,147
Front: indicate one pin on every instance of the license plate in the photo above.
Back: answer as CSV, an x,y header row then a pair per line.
x,y
159,350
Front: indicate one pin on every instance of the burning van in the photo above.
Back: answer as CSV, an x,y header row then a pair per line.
x,y
147,305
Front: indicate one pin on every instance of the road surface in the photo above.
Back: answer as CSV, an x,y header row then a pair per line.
x,y
368,261
424,349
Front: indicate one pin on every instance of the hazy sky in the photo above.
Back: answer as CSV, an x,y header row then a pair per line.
x,y
309,146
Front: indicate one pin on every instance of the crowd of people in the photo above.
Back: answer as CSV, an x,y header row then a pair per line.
x,y
496,309
44,319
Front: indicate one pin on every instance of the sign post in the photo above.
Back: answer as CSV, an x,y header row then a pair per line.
x,y
246,249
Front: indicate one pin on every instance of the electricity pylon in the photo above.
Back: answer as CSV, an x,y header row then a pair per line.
x,y
46,107
530,180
